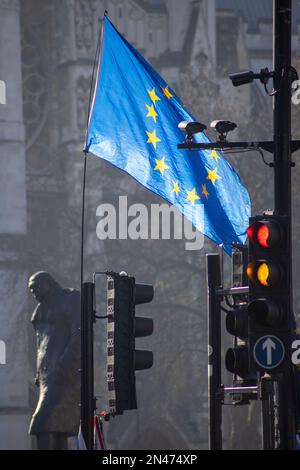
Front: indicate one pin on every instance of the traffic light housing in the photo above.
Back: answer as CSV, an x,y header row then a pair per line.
x,y
269,306
236,358
123,293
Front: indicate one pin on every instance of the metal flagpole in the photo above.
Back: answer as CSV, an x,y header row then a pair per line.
x,y
87,405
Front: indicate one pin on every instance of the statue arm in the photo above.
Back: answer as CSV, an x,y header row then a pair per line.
x,y
72,350
33,319
70,358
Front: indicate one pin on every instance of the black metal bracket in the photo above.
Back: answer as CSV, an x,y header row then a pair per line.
x,y
266,145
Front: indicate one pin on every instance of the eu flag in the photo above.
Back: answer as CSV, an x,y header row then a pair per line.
x,y
134,125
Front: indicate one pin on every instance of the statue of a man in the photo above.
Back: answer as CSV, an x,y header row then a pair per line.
x,y
56,321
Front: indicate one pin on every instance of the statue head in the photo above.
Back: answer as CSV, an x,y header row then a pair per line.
x,y
40,284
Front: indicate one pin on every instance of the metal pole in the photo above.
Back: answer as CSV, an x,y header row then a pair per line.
x,y
214,352
282,182
87,364
268,414
282,106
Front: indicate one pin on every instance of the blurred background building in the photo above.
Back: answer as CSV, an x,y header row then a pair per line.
x,y
47,51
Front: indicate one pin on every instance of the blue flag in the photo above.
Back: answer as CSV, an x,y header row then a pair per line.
x,y
134,125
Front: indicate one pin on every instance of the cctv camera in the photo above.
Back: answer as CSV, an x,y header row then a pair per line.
x,y
223,127
242,78
191,128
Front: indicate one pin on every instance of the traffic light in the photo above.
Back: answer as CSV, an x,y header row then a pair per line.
x,y
269,306
236,359
123,293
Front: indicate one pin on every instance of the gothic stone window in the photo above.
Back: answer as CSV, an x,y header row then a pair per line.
x,y
227,37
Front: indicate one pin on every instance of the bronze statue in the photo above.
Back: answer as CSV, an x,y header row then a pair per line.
x,y
56,321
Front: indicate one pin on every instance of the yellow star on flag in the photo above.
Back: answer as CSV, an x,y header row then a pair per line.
x,y
192,196
213,175
204,191
151,112
153,139
153,95
167,93
214,155
176,188
161,166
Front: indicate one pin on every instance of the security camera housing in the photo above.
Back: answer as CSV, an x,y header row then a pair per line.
x,y
223,127
242,78
191,128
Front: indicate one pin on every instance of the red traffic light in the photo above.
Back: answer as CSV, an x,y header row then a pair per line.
x,y
266,234
251,231
263,235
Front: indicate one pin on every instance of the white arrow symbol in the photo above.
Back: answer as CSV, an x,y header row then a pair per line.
x,y
269,345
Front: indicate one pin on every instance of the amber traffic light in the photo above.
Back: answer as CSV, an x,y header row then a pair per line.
x,y
265,272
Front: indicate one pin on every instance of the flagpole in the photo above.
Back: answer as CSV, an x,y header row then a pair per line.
x,y
85,151
86,367
82,217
